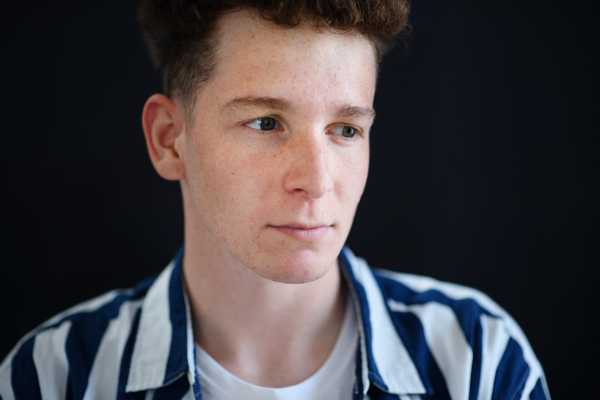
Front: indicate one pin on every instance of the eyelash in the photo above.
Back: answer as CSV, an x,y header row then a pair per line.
x,y
343,127
277,125
258,120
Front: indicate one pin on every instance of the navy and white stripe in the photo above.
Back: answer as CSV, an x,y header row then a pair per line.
x,y
419,339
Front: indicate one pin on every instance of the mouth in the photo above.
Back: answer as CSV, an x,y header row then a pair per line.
x,y
297,231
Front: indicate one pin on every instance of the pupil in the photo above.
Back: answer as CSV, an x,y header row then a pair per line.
x,y
267,124
348,132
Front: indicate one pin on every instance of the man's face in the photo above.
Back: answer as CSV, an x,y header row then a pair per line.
x,y
277,158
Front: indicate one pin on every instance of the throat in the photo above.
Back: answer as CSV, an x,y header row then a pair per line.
x,y
283,364
274,342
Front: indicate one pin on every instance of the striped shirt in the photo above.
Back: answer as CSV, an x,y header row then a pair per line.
x,y
418,339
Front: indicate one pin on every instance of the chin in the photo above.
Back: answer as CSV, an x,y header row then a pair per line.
x,y
294,268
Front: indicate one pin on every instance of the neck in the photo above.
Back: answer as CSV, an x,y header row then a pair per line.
x,y
264,332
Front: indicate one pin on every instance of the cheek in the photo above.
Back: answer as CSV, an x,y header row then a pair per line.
x,y
353,171
229,185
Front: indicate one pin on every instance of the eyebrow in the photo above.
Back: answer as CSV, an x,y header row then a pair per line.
x,y
273,103
258,102
354,111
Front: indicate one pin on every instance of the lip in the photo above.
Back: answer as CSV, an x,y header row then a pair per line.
x,y
310,233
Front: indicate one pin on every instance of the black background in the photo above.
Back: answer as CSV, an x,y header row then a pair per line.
x,y
484,167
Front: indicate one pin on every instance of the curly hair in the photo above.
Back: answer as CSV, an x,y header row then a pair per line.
x,y
182,36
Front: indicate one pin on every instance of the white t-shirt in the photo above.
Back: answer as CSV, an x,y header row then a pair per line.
x,y
333,381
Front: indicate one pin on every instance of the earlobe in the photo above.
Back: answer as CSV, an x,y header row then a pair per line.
x,y
163,127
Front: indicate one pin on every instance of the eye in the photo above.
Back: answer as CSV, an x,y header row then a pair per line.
x,y
263,124
345,131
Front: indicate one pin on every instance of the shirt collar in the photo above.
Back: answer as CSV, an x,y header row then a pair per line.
x,y
164,346
385,360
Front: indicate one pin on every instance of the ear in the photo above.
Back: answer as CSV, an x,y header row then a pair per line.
x,y
163,128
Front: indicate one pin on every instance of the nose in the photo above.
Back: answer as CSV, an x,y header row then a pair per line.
x,y
309,166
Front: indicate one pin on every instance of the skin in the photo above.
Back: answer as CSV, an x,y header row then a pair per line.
x,y
268,211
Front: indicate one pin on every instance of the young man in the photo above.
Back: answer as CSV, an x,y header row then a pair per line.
x,y
265,123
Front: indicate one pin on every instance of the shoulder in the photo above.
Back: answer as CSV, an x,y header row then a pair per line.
x,y
465,332
411,289
70,341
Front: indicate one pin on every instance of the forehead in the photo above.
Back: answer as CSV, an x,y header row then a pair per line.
x,y
255,55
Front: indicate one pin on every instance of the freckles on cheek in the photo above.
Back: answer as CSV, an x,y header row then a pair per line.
x,y
234,180
353,175
235,170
